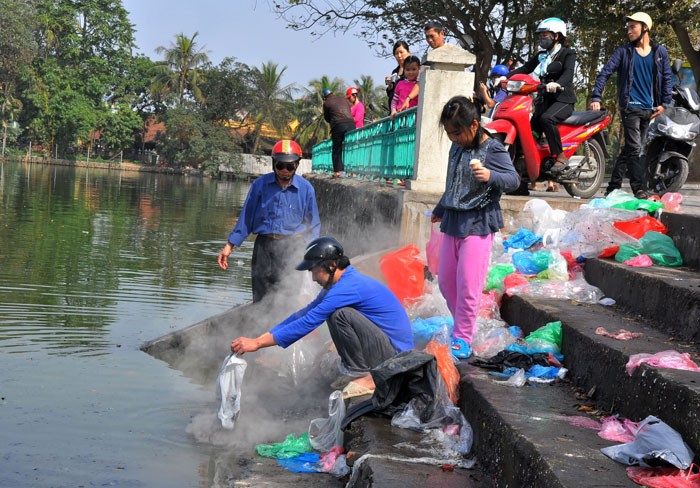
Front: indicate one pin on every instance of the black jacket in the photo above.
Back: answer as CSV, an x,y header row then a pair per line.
x,y
567,57
336,111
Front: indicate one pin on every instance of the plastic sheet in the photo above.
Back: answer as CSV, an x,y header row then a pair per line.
x,y
291,447
577,289
672,201
523,239
659,247
665,477
665,359
303,463
614,429
229,386
404,273
655,442
432,248
324,433
620,335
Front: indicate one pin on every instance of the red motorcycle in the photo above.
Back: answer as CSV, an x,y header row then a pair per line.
x,y
582,137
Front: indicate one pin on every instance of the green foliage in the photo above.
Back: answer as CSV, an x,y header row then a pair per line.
x,y
227,90
271,101
190,140
179,72
118,128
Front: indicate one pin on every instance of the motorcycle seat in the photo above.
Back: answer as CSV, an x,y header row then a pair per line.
x,y
585,118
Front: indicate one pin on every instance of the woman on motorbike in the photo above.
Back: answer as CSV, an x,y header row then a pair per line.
x,y
556,103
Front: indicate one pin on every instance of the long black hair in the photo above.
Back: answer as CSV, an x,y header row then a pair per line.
x,y
461,111
399,44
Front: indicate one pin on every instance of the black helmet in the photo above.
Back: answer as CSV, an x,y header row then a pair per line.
x,y
319,250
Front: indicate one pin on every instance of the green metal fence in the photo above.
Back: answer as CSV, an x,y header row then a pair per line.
x,y
383,149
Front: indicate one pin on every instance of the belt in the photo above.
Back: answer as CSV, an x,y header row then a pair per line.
x,y
280,236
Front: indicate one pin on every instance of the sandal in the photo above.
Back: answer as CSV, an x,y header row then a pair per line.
x,y
353,390
460,348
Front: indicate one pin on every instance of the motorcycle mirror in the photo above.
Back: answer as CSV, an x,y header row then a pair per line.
x,y
554,67
676,66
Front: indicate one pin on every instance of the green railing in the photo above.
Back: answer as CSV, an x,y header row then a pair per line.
x,y
383,149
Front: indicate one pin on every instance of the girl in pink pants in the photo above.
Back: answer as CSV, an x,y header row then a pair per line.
x,y
478,172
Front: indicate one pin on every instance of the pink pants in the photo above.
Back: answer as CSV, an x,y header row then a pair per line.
x,y
464,263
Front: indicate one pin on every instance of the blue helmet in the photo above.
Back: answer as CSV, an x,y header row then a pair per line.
x,y
499,70
326,92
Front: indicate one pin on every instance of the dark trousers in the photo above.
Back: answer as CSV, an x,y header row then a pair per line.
x,y
635,123
271,260
360,343
545,119
337,138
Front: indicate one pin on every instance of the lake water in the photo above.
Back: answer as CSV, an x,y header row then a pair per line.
x,y
94,263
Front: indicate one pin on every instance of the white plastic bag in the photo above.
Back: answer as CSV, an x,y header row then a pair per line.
x,y
228,388
324,434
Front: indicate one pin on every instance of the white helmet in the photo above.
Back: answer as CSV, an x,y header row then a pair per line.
x,y
552,24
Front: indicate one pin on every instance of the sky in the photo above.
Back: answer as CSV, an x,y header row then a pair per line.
x,y
252,33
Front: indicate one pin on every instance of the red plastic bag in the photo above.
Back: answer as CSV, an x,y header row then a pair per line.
x,y
446,366
432,249
514,280
404,272
665,477
640,226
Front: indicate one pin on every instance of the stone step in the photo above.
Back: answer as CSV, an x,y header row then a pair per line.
x,y
684,229
520,438
668,298
598,363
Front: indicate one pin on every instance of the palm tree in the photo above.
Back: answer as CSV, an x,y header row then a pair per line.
x,y
373,97
308,110
271,100
179,72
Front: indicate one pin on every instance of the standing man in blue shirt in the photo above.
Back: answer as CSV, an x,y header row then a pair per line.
x,y
366,321
281,209
643,90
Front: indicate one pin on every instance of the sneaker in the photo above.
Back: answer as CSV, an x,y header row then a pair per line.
x,y
641,194
460,348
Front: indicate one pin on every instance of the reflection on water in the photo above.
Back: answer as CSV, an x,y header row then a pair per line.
x,y
92,264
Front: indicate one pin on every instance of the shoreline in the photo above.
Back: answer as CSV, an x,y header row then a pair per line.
x,y
124,166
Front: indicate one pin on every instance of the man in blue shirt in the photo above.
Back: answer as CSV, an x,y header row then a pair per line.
x,y
643,89
366,321
281,209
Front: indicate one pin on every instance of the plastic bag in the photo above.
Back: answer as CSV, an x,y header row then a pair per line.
x,y
620,335
490,305
228,388
665,359
432,248
523,239
496,275
430,304
640,226
619,431
530,263
291,447
672,201
425,329
622,199
324,433
549,333
446,367
303,463
557,267
487,344
655,441
334,462
517,380
575,289
404,273
641,261
538,216
657,246
665,477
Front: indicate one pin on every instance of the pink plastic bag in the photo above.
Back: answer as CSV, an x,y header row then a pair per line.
x,y
432,249
620,335
665,477
490,305
614,430
665,359
641,261
672,201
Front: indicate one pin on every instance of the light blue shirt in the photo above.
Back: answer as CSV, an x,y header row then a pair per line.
x,y
271,209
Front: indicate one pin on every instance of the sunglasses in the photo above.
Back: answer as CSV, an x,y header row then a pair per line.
x,y
288,166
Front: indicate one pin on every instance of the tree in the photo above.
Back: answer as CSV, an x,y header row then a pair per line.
x,y
373,97
227,90
180,73
308,110
270,100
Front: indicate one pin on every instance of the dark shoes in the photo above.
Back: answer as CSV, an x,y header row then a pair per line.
x,y
641,194
561,165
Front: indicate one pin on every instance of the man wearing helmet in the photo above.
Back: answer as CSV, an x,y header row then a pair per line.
x,y
280,208
357,108
366,321
495,92
336,111
557,102
643,90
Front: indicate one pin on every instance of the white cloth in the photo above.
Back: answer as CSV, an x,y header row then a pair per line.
x,y
229,385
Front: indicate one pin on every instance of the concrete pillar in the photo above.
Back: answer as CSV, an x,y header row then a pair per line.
x,y
442,76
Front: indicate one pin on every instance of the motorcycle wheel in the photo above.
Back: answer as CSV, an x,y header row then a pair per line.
x,y
593,171
674,172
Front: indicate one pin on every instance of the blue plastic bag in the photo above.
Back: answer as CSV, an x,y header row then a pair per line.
x,y
304,463
425,329
531,263
522,239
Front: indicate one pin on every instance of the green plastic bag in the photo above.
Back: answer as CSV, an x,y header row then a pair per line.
x,y
496,275
659,247
630,203
550,332
290,448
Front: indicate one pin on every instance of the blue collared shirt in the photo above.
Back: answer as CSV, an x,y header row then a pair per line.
x,y
271,209
366,295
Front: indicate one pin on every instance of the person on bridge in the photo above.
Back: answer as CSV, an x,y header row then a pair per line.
x,y
281,209
643,90
557,102
357,108
336,111
366,321
479,171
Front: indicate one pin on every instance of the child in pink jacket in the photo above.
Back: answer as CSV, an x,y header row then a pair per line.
x,y
411,68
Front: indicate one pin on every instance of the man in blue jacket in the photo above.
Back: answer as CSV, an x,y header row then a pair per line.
x,y
281,210
366,321
644,90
